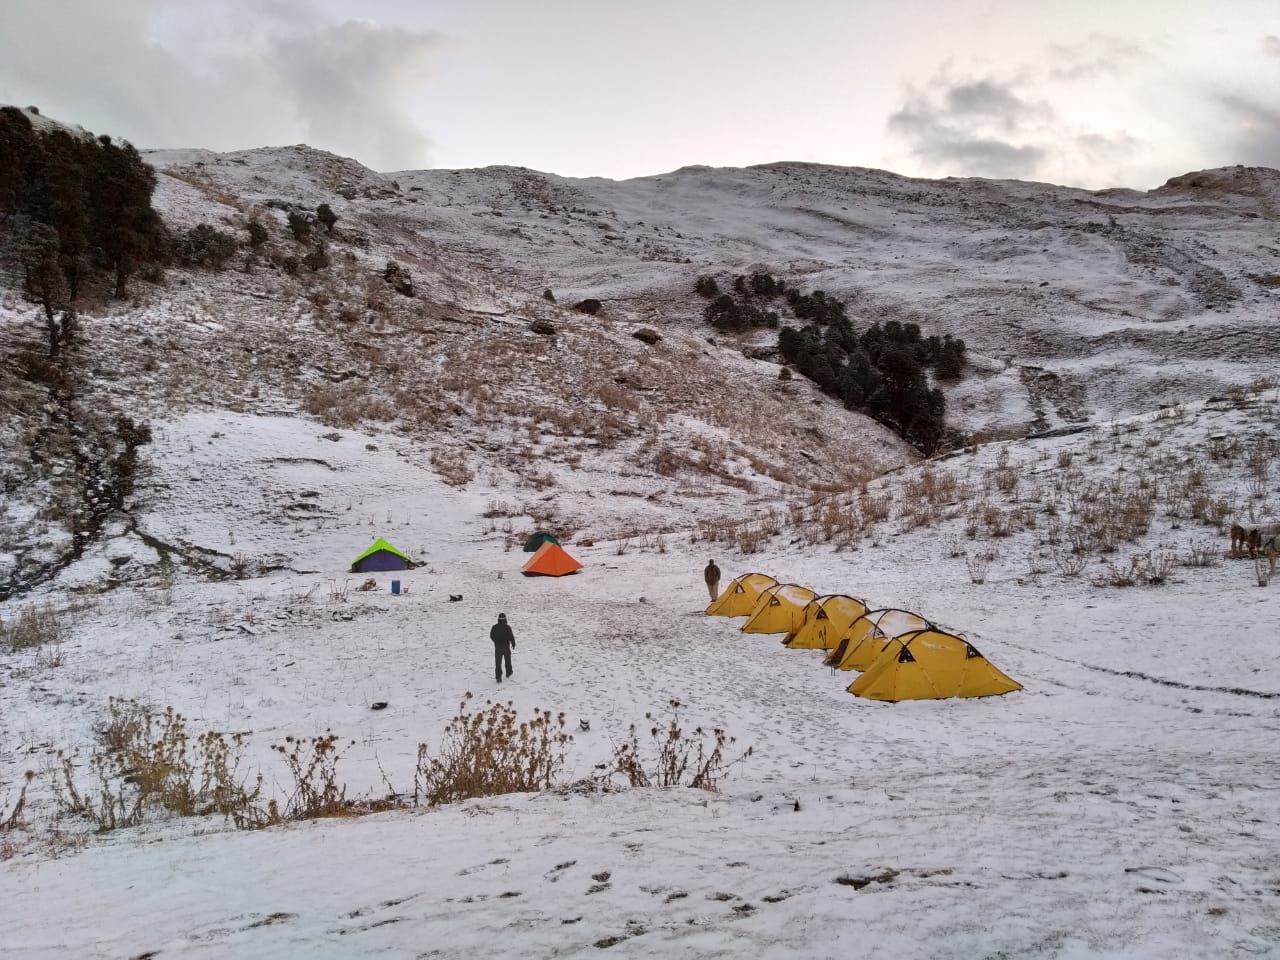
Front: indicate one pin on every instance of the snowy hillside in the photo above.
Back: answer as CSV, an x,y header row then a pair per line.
x,y
1122,804
1088,304
184,489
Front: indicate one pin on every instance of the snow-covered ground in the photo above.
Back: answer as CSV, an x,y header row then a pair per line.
x,y
1124,804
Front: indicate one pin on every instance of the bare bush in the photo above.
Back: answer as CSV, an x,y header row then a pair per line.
x,y
316,791
1069,563
491,752
1201,554
875,508
1006,479
453,466
680,757
978,564
1259,457
148,761
11,813
347,404
1151,569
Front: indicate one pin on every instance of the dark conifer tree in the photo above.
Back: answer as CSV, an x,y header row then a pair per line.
x,y
325,214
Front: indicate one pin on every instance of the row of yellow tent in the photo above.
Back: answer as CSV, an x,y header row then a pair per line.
x,y
902,655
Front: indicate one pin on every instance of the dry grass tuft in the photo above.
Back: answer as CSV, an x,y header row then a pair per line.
x,y
453,466
34,628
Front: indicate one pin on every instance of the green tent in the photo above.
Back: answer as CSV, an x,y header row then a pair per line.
x,y
538,539
380,556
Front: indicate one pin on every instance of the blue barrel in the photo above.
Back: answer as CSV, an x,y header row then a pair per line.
x,y
395,586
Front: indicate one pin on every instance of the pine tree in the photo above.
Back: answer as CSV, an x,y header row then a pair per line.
x,y
257,233
124,227
325,214
300,225
44,282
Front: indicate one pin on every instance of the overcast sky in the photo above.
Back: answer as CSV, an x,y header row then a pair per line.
x,y
1086,92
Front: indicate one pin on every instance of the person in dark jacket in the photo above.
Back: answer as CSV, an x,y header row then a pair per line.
x,y
504,641
712,576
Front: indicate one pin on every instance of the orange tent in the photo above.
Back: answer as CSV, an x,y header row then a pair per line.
x,y
550,560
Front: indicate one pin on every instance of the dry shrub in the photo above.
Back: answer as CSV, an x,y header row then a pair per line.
x,y
919,513
347,404
978,564
841,522
1223,448
1069,563
149,761
241,567
1152,568
998,522
313,766
717,530
1006,479
1201,554
616,396
453,466
751,536
539,480
1259,457
933,486
875,508
681,758
1212,510
491,752
11,816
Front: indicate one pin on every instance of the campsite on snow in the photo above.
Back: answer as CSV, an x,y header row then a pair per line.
x,y
984,675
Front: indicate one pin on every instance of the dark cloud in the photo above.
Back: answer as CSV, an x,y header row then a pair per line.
x,y
986,98
177,73
1252,129
973,128
1246,123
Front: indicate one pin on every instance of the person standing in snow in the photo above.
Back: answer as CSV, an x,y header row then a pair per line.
x,y
712,576
504,641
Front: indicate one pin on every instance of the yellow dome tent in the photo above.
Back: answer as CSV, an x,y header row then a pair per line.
x,y
739,598
928,665
868,635
779,609
826,621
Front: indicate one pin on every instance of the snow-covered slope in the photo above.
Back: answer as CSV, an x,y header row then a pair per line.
x,y
1125,298
1123,804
